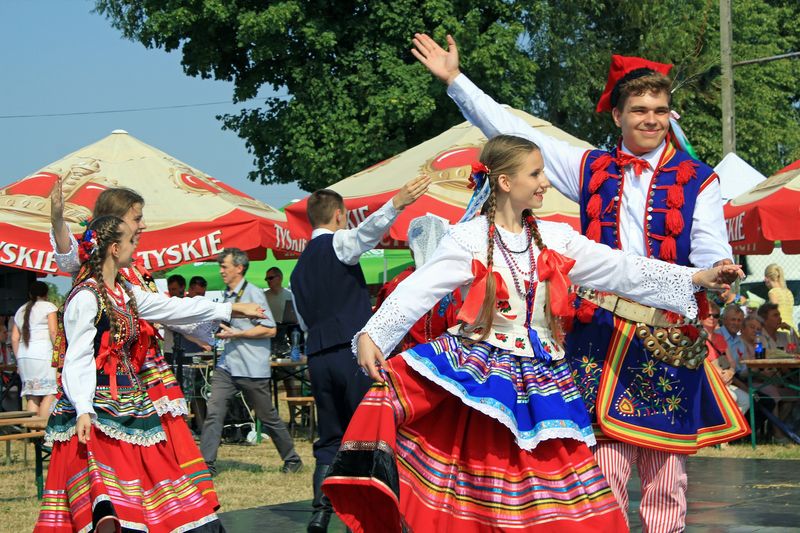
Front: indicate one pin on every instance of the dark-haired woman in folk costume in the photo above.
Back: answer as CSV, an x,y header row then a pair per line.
x,y
112,467
155,373
484,429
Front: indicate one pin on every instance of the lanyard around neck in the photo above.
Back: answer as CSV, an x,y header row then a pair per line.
x,y
239,293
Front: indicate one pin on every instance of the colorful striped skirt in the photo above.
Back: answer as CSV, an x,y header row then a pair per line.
x,y
142,488
417,458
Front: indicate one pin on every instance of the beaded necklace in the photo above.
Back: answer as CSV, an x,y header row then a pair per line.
x,y
518,274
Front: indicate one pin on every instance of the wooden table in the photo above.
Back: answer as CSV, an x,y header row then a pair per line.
x,y
786,376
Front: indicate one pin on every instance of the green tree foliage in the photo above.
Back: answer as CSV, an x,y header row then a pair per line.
x,y
576,36
356,96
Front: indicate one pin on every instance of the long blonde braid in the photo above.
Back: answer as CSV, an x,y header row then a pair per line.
x,y
486,316
552,320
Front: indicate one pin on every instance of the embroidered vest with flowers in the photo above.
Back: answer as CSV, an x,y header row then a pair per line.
x,y
672,194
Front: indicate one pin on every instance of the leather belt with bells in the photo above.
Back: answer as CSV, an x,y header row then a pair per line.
x,y
661,337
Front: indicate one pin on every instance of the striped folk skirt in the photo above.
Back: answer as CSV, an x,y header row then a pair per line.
x,y
417,458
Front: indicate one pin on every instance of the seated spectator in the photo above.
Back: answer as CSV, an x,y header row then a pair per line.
x,y
722,360
732,318
780,294
771,321
751,330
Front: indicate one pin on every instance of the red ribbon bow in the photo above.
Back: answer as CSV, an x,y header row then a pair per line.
x,y
471,307
107,361
477,168
554,267
639,164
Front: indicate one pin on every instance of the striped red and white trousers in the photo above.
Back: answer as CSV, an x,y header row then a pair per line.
x,y
663,479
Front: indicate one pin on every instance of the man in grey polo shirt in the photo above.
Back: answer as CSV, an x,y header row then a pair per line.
x,y
243,365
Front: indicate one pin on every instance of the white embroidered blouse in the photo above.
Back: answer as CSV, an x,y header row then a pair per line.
x,y
648,281
79,376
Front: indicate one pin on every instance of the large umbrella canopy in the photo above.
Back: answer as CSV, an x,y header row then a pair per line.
x,y
766,213
447,159
190,215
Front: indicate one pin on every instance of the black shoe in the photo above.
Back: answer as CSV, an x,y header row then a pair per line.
x,y
212,468
319,522
321,503
291,467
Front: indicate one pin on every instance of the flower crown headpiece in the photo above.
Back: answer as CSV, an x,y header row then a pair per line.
x,y
479,182
87,245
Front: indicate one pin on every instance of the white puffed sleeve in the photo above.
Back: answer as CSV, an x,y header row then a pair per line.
x,y
647,281
67,262
155,307
350,244
79,377
448,269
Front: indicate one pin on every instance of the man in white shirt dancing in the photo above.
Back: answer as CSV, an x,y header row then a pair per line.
x,y
641,375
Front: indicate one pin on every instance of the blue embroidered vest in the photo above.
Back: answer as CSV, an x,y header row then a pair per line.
x,y
673,168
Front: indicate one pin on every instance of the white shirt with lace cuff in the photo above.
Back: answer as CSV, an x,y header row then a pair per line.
x,y
709,238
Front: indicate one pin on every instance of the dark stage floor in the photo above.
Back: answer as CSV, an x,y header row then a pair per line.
x,y
725,495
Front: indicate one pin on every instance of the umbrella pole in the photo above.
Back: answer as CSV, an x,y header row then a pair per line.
x,y
385,268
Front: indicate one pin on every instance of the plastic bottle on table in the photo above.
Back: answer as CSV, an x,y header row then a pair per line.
x,y
759,347
295,351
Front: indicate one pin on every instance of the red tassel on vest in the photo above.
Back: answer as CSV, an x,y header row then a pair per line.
x,y
601,163
585,311
669,250
674,222
675,196
598,178
594,205
686,171
593,230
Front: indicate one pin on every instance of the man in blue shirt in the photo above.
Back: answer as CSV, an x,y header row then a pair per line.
x,y
243,366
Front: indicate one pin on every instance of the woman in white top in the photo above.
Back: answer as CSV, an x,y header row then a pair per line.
x,y
483,429
112,465
32,335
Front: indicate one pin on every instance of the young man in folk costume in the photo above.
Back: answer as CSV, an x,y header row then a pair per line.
x,y
640,370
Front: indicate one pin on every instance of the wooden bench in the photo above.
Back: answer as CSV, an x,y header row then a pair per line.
x,y
33,431
302,406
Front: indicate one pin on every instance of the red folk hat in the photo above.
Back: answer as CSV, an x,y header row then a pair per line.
x,y
624,69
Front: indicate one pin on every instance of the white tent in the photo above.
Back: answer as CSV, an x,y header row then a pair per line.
x,y
736,176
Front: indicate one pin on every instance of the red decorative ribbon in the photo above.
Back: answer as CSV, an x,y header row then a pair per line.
x,y
474,301
107,360
554,267
639,164
143,343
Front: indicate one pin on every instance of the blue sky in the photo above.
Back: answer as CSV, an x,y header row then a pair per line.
x,y
56,56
